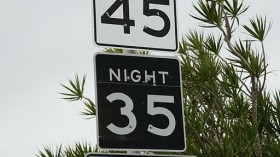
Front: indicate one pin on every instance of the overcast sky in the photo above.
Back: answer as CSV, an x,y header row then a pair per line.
x,y
45,42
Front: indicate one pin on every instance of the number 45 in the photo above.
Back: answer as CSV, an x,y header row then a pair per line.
x,y
127,22
151,109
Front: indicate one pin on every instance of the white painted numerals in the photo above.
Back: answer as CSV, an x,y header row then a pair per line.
x,y
126,111
151,109
127,22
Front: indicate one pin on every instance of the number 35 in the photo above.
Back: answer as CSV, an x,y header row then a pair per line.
x,y
151,109
127,22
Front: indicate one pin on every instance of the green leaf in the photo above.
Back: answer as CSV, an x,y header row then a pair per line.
x,y
235,9
78,150
90,109
48,152
143,52
209,12
76,89
259,28
213,45
111,50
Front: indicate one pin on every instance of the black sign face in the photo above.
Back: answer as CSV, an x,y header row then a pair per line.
x,y
139,103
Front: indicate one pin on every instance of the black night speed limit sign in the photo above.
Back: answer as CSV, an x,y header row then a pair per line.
x,y
139,103
136,24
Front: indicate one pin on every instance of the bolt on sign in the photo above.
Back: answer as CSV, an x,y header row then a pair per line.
x,y
139,103
136,24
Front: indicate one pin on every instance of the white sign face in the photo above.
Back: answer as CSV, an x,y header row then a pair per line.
x,y
136,24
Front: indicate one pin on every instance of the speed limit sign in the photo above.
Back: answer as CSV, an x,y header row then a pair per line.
x,y
136,24
139,103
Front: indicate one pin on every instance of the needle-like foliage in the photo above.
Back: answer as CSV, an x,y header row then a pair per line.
x,y
78,150
235,8
228,111
259,28
75,92
48,152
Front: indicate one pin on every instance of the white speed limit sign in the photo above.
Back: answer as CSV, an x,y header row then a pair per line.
x,y
136,24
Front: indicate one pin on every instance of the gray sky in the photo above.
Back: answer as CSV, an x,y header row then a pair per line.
x,y
45,42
